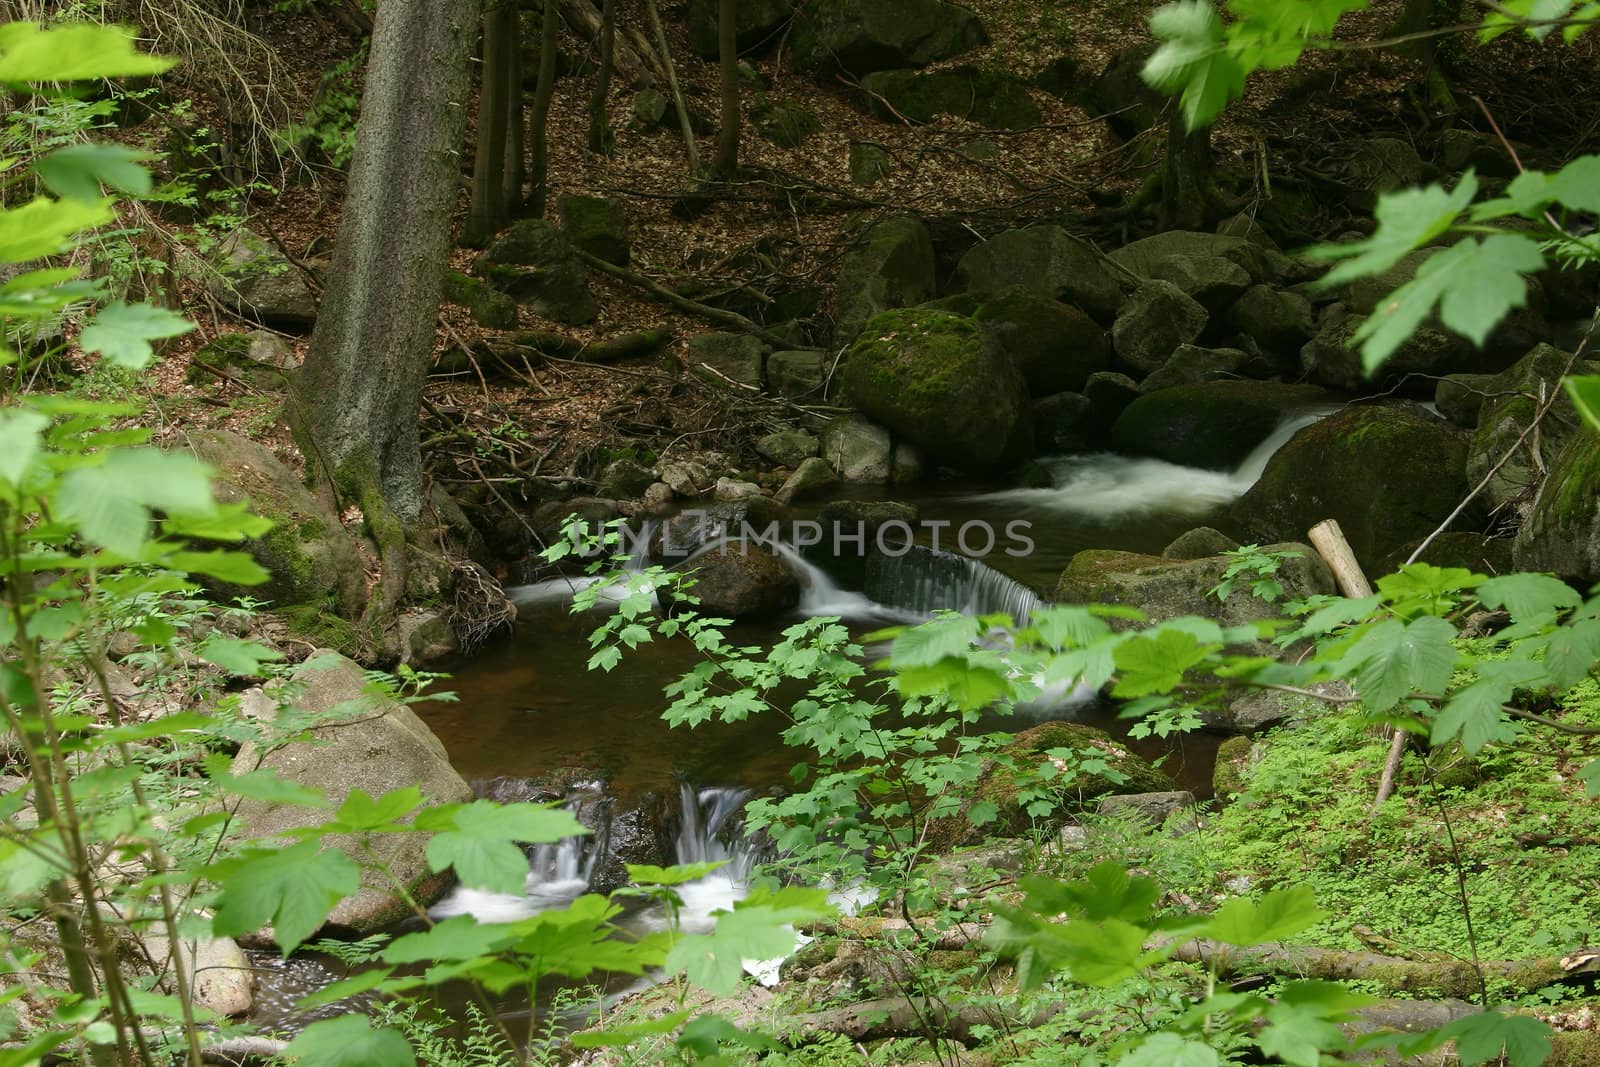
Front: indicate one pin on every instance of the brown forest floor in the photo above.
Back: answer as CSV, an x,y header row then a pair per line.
x,y
789,225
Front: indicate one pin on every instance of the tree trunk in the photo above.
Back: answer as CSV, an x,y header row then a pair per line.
x,y
727,162
490,213
543,90
515,172
600,140
677,93
1186,193
355,401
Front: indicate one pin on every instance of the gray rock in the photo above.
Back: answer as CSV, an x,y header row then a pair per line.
x,y
731,491
1166,589
738,357
1198,543
906,463
1562,533
1109,393
857,450
1154,808
1264,709
742,580
1213,281
686,478
1191,365
649,107
891,266
1045,259
424,637
784,123
1054,345
624,479
1121,94
1154,321
861,36
372,743
797,376
488,307
1459,397
596,224
1062,422
250,275
311,558
869,163
657,497
811,476
866,516
1379,165
533,262
788,448
757,25
989,97
1279,322
1329,359
1146,256
1510,471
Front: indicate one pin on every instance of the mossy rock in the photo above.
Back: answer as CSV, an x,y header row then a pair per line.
x,y
1476,552
313,561
1015,765
929,377
890,266
1228,775
1562,533
861,36
993,98
784,124
1502,455
488,307
1046,259
1209,424
757,25
1168,588
1054,345
1389,473
596,224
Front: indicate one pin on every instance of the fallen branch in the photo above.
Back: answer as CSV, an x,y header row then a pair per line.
x,y
722,315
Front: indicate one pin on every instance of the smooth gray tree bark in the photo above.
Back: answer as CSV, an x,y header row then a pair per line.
x,y
355,401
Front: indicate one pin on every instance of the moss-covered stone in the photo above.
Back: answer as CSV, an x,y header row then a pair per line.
x,y
861,36
993,98
757,25
1047,260
1389,473
928,376
596,224
1209,424
1019,763
891,266
785,124
1168,588
489,307
1228,773
1054,345
1562,533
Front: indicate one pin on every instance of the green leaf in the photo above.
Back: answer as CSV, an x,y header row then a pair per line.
x,y
349,1041
242,658
1589,775
482,843
628,1033
1474,714
650,874
460,938
1395,659
265,784
292,888
761,927
1281,913
122,332
20,431
360,813
1527,596
1193,60
1524,1041
236,568
1106,892
43,227
1170,1050
1156,664
1406,221
1570,652
110,502
1584,390
946,637
77,171
74,51
1474,283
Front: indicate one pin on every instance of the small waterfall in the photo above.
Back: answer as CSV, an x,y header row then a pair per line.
x,y
1105,486
561,589
925,580
821,596
711,831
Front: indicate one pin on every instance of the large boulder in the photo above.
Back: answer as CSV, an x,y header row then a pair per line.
x,y
1046,259
858,450
797,375
1021,762
1278,321
596,224
533,262
312,560
860,36
1429,353
1562,533
989,97
488,306
253,277
1213,281
756,25
728,357
1503,455
1389,473
1150,256
1054,345
740,579
928,377
1121,94
891,266
1168,588
1154,321
367,741
1212,424
1192,365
